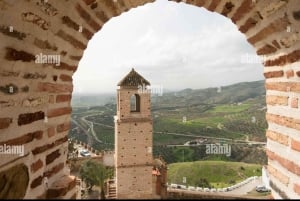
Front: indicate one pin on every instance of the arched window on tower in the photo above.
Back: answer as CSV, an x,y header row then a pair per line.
x,y
135,103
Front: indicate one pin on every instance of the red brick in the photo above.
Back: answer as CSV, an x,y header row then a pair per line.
x,y
65,78
36,182
276,26
248,25
289,73
28,118
279,175
63,127
86,16
273,74
295,145
290,165
5,122
52,156
228,7
213,5
72,40
245,7
297,188
45,147
285,59
283,86
294,102
36,165
63,98
282,139
59,112
54,88
65,66
284,121
26,138
267,49
51,132
276,100
298,73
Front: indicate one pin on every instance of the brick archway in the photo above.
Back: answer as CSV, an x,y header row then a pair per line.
x,y
35,97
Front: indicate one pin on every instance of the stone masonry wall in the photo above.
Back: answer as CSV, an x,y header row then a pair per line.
x,y
35,96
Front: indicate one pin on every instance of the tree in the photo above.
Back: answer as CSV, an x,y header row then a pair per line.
x,y
93,173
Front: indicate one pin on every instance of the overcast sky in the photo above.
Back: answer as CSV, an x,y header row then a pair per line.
x,y
171,44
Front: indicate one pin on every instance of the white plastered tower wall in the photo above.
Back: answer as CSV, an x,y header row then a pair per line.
x,y
133,140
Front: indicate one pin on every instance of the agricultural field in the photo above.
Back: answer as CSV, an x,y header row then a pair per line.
x,y
235,116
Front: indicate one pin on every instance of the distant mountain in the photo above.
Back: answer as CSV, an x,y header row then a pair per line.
x,y
226,94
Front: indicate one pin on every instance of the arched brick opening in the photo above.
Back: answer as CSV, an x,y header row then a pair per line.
x,y
35,97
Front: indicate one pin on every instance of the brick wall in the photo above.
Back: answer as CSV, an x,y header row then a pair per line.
x,y
35,97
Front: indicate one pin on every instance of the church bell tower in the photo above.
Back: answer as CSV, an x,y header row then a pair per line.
x,y
133,138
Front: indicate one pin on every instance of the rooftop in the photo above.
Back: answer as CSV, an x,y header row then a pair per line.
x,y
133,79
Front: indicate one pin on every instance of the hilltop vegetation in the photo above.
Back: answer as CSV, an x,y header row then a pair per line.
x,y
218,174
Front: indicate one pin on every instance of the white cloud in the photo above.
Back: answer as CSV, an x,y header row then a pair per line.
x,y
166,42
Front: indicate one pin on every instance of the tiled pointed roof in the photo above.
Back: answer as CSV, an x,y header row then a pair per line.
x,y
133,79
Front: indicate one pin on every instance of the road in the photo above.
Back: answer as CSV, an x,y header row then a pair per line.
x,y
243,190
216,138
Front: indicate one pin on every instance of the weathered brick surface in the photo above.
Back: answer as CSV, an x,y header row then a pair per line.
x,y
244,8
267,49
279,175
65,78
284,121
276,100
213,5
63,127
281,138
59,111
289,73
36,182
45,147
63,98
89,20
51,131
295,144
286,163
283,86
54,88
36,165
294,102
52,156
285,59
28,118
297,188
276,26
24,139
273,74
5,122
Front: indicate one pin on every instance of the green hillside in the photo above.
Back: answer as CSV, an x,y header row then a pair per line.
x,y
219,174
